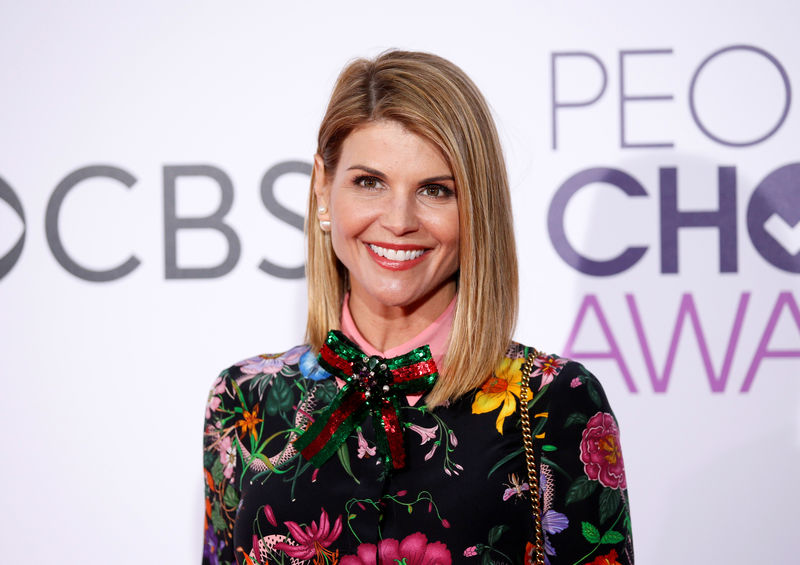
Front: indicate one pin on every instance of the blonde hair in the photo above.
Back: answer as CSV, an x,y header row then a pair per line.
x,y
434,99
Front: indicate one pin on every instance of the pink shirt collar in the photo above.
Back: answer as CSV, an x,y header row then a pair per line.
x,y
436,336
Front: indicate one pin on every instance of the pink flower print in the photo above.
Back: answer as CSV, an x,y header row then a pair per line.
x,y
453,439
425,434
213,396
270,515
212,404
227,456
471,551
601,453
364,450
312,540
576,382
412,550
430,454
547,366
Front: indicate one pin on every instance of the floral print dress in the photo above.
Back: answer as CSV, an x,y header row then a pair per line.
x,y
461,497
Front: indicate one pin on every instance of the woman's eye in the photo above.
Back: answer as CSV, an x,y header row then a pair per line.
x,y
371,183
436,191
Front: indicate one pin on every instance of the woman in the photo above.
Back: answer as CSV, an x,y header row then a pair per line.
x,y
397,438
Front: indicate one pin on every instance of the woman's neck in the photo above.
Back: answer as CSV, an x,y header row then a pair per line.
x,y
385,327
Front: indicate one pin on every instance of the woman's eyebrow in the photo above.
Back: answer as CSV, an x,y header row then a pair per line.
x,y
369,170
377,173
437,179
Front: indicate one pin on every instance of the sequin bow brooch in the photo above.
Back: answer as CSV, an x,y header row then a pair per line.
x,y
372,387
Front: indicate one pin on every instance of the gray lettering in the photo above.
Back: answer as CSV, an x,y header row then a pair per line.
x,y
214,221
554,102
54,235
282,213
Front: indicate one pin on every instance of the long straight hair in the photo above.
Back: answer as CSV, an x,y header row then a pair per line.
x,y
436,100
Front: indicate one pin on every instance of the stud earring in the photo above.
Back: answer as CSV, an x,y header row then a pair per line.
x,y
325,225
322,210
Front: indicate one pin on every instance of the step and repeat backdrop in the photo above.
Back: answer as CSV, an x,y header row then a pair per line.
x,y
154,168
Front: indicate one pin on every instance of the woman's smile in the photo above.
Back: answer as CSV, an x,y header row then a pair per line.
x,y
396,257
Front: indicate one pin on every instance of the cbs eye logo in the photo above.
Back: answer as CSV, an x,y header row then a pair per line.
x,y
10,259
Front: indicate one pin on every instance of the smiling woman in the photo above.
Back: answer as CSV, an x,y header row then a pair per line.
x,y
395,435
394,226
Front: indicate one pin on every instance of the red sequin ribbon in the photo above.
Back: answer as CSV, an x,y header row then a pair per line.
x,y
373,386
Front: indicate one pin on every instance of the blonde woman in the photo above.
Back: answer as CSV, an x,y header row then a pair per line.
x,y
394,434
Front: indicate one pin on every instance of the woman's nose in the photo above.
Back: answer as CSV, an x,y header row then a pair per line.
x,y
400,216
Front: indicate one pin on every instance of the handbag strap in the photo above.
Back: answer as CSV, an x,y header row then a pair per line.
x,y
530,456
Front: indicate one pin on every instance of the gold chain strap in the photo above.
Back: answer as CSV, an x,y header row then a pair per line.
x,y
530,458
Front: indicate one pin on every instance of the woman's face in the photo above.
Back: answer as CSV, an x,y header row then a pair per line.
x,y
394,217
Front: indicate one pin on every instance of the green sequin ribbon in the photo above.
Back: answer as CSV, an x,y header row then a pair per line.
x,y
372,387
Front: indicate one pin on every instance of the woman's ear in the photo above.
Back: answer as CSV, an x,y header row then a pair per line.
x,y
322,189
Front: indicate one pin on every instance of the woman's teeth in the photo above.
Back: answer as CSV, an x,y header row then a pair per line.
x,y
396,254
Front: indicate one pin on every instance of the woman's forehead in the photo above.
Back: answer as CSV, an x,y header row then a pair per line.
x,y
387,146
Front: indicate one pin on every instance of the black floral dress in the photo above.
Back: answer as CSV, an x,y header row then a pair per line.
x,y
461,497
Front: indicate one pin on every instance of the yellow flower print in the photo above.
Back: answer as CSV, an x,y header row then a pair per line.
x,y
501,388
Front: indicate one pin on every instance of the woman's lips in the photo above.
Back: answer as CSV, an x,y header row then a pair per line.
x,y
396,257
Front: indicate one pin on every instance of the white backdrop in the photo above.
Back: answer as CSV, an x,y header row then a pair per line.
x,y
604,107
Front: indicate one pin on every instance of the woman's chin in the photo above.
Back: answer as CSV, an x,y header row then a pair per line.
x,y
407,299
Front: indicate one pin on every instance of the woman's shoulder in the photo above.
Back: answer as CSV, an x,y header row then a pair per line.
x,y
255,377
556,376
268,386
299,361
565,394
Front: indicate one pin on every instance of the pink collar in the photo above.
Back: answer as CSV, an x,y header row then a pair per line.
x,y
436,336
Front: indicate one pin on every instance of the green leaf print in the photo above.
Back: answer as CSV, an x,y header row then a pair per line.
x,y
344,459
505,460
593,394
325,392
496,533
216,471
591,533
230,499
216,518
280,397
581,488
612,537
609,502
577,418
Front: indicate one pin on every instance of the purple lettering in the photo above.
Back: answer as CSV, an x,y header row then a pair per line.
x,y
687,308
785,300
614,352
723,219
558,235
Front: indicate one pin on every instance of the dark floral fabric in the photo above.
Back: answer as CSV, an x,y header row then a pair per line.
x,y
462,496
